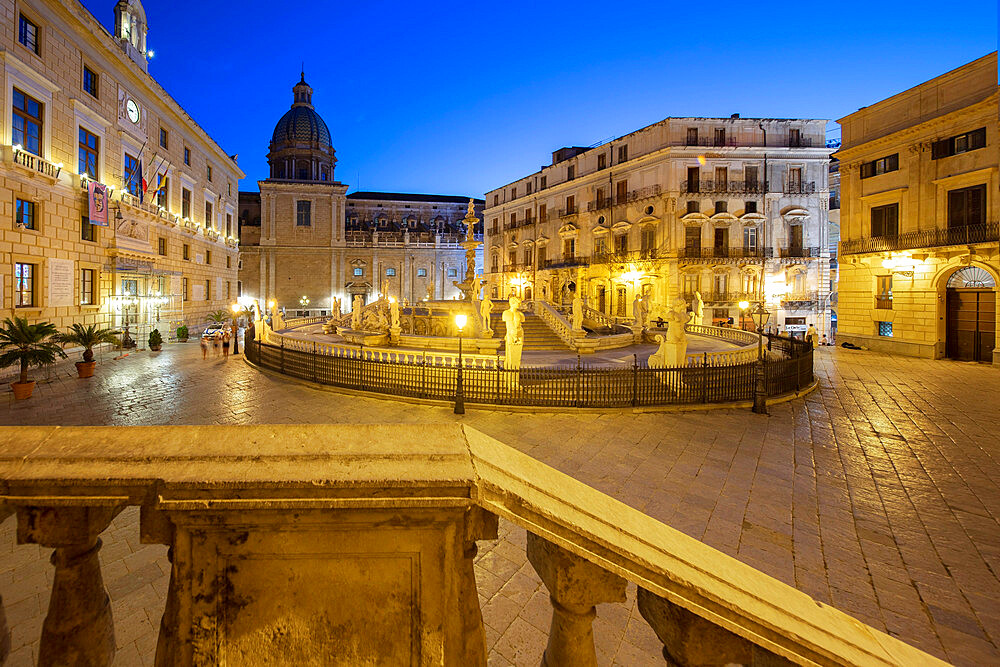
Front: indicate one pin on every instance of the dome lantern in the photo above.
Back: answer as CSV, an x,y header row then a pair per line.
x,y
301,148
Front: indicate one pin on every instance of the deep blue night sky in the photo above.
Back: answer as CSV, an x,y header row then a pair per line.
x,y
459,98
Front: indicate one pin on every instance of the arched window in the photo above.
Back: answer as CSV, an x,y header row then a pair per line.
x,y
972,277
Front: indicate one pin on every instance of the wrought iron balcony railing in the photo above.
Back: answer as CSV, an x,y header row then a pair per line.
x,y
709,186
800,297
722,297
987,232
798,251
723,253
566,212
804,188
629,197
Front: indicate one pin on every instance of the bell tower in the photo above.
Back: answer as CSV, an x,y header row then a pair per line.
x,y
130,30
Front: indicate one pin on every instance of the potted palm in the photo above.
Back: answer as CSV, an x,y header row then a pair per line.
x,y
27,345
88,337
155,340
182,333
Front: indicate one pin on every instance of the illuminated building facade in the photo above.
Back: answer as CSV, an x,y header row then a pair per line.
x,y
735,209
919,261
79,106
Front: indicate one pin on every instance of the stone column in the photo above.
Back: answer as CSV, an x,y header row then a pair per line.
x,y
78,627
575,588
693,641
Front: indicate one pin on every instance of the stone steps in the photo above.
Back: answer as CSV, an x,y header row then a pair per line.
x,y
537,334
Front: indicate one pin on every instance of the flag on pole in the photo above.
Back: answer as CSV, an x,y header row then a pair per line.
x,y
97,196
142,184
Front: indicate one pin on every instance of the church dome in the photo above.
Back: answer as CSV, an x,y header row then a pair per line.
x,y
301,124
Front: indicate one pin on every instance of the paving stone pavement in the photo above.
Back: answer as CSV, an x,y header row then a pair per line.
x,y
877,493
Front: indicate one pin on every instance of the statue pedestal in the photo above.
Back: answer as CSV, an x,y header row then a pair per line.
x,y
394,333
368,338
487,345
636,333
584,345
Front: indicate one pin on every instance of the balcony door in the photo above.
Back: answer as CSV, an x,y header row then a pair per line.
x,y
692,241
795,240
966,207
721,245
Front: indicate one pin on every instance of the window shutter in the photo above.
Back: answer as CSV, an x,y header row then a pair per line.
x,y
892,162
940,149
977,139
867,170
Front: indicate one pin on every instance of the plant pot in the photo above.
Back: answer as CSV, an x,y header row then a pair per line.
x,y
22,390
182,340
155,348
85,369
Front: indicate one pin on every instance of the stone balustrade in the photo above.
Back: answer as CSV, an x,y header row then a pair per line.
x,y
557,322
337,544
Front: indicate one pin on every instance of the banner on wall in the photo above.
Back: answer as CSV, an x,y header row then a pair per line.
x,y
97,195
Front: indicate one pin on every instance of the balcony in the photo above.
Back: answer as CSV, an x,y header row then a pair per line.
x,y
36,164
806,188
799,299
722,297
561,262
623,257
726,253
629,197
988,232
883,301
798,251
567,212
356,544
727,187
519,223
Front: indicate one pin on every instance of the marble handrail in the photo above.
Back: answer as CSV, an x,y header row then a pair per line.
x,y
555,320
367,534
597,316
735,335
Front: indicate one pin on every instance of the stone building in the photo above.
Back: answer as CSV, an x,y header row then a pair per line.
x,y
919,259
734,208
305,241
79,106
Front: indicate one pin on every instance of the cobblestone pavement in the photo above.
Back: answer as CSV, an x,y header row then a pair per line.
x,y
877,493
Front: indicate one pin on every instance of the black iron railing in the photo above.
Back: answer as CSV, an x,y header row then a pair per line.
x,y
798,251
804,188
987,232
709,186
723,253
788,368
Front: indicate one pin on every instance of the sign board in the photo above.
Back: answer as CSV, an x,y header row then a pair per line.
x,y
197,292
60,282
795,327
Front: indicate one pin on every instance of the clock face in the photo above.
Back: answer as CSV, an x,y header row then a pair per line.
x,y
132,109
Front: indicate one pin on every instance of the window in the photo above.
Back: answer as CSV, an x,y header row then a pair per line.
x,y
885,220
692,283
692,241
86,287
527,256
512,257
541,256
229,224
496,200
208,256
187,156
722,179
229,262
185,203
541,183
623,154
208,172
621,192
89,81
452,273
749,207
208,289
885,329
87,231
185,287
527,215
208,215
571,172
569,248
720,136
513,193
494,264
303,213
750,239
692,136
621,243
570,204
721,206
27,34
163,138
161,246
89,149
648,238
26,214
24,285
751,179
795,180
794,138
358,271
883,292
131,177
967,206
880,166
513,219
229,290
543,213
602,161
527,188
960,143
600,246
26,130
390,272
693,206
186,252
422,273
694,179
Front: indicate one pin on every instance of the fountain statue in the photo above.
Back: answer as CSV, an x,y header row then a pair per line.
x,y
577,313
485,308
514,337
469,286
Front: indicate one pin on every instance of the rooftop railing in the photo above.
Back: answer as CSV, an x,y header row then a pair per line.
x,y
988,232
362,539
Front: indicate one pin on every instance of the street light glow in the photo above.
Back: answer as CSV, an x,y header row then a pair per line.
x,y
460,321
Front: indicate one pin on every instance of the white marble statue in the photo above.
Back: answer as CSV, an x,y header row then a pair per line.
x,y
485,308
359,303
514,337
577,313
430,292
674,348
394,313
699,309
335,308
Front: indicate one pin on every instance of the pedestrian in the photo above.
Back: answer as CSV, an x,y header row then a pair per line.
x,y
824,341
812,335
204,348
217,343
225,344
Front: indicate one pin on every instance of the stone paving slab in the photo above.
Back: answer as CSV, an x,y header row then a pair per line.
x,y
878,493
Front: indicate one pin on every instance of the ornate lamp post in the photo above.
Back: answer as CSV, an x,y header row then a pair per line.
x,y
743,312
760,315
460,320
236,328
304,301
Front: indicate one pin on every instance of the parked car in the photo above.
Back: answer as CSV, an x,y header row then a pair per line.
x,y
213,329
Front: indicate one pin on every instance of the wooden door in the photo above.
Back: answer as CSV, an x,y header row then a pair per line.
x,y
971,324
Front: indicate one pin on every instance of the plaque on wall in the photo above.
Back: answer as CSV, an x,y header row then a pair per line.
x,y
175,285
197,292
60,282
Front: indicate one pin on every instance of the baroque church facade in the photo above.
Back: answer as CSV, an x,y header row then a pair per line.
x,y
305,242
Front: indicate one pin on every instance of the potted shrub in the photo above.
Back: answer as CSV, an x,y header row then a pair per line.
x,y
87,337
155,340
182,334
27,345
219,317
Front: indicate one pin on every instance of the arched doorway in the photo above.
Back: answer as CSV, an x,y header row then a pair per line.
x,y
971,323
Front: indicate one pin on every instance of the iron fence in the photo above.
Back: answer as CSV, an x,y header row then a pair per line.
x,y
788,367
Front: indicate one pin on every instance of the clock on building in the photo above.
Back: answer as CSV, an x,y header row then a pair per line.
x,y
131,115
132,110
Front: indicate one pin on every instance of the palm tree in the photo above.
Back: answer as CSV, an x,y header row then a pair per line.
x,y
86,337
28,345
219,317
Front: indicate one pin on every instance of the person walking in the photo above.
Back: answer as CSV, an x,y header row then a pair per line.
x,y
225,343
204,348
812,335
217,343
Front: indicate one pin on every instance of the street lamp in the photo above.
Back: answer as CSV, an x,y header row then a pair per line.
x,y
759,314
743,311
304,301
236,328
460,321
